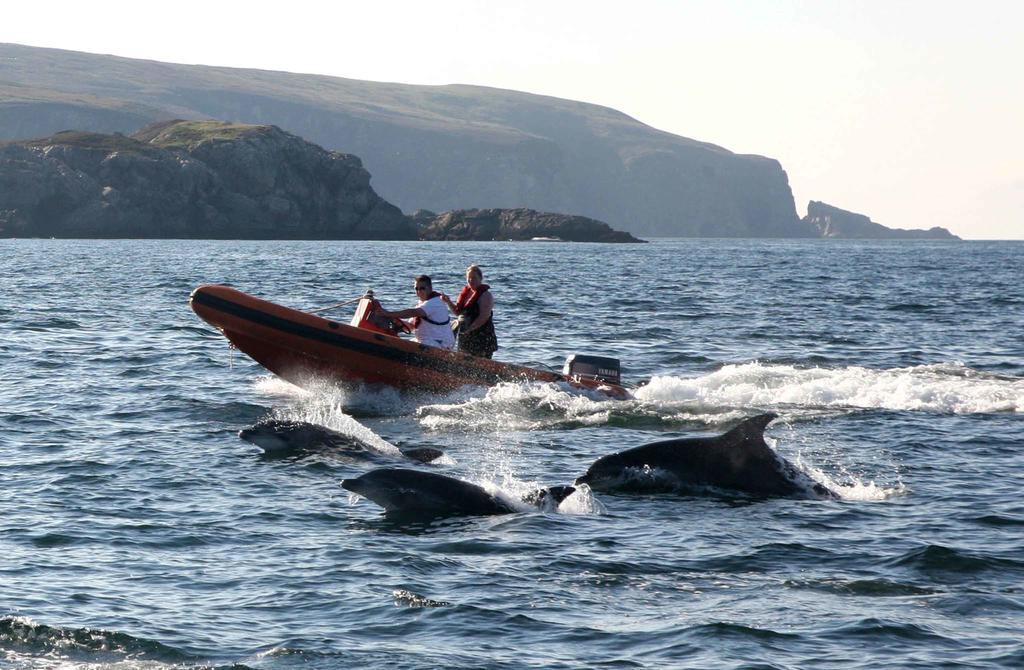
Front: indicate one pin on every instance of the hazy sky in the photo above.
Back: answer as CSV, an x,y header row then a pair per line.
x,y
911,112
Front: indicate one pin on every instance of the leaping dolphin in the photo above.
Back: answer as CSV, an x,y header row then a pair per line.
x,y
280,437
738,460
415,492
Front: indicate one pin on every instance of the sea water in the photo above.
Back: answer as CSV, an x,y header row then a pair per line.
x,y
138,531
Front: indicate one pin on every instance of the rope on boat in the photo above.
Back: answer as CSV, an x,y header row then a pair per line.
x,y
368,294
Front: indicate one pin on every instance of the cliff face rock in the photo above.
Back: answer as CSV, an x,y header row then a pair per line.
x,y
831,221
190,180
514,224
438,147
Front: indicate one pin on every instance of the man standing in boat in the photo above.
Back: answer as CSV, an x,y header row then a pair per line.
x,y
475,311
430,321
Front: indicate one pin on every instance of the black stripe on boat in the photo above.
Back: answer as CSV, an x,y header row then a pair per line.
x,y
457,368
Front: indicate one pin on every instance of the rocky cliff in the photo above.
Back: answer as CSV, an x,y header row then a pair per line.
x,y
183,179
515,225
831,221
437,147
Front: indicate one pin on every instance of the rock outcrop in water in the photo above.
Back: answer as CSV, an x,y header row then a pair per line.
x,y
831,221
516,225
184,179
439,147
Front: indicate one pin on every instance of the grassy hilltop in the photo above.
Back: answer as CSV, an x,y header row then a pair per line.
x,y
432,147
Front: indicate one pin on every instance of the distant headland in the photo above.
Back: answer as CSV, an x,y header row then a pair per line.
x,y
834,222
439,148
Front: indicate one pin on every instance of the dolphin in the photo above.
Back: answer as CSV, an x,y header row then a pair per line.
x,y
281,437
415,492
738,460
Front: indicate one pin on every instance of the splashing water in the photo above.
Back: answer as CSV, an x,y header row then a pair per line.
x,y
852,487
519,406
945,388
513,491
323,405
728,395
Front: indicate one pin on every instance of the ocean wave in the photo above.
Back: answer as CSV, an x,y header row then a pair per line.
x,y
879,630
46,325
30,644
937,559
870,587
911,307
767,557
722,630
721,398
943,388
999,520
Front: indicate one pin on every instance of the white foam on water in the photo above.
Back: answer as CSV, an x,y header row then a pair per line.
x,y
444,460
723,417
383,400
324,405
853,487
731,393
510,494
945,388
512,491
277,387
518,406
27,662
844,482
582,502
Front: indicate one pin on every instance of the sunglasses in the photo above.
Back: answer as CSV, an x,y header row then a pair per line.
x,y
421,288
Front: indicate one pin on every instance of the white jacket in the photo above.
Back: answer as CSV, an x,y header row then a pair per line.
x,y
437,334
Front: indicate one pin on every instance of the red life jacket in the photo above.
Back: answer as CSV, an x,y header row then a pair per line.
x,y
468,297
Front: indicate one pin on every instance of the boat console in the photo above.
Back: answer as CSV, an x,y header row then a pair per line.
x,y
368,317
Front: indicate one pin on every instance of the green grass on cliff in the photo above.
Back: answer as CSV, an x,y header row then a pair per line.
x,y
175,134
163,135
86,140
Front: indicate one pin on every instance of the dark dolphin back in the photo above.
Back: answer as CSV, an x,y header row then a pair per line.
x,y
550,497
738,459
422,454
405,491
691,457
742,460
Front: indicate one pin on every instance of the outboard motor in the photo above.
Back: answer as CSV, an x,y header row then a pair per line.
x,y
582,366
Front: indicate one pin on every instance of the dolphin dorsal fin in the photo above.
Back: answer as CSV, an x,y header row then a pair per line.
x,y
751,428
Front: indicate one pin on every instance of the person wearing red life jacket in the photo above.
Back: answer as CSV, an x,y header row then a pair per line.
x,y
430,321
475,309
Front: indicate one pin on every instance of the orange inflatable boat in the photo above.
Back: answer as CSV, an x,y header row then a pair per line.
x,y
297,345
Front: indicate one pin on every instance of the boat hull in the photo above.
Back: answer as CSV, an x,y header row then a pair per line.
x,y
298,346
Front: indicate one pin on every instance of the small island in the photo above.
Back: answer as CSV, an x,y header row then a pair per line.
x,y
833,222
220,180
515,225
190,179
